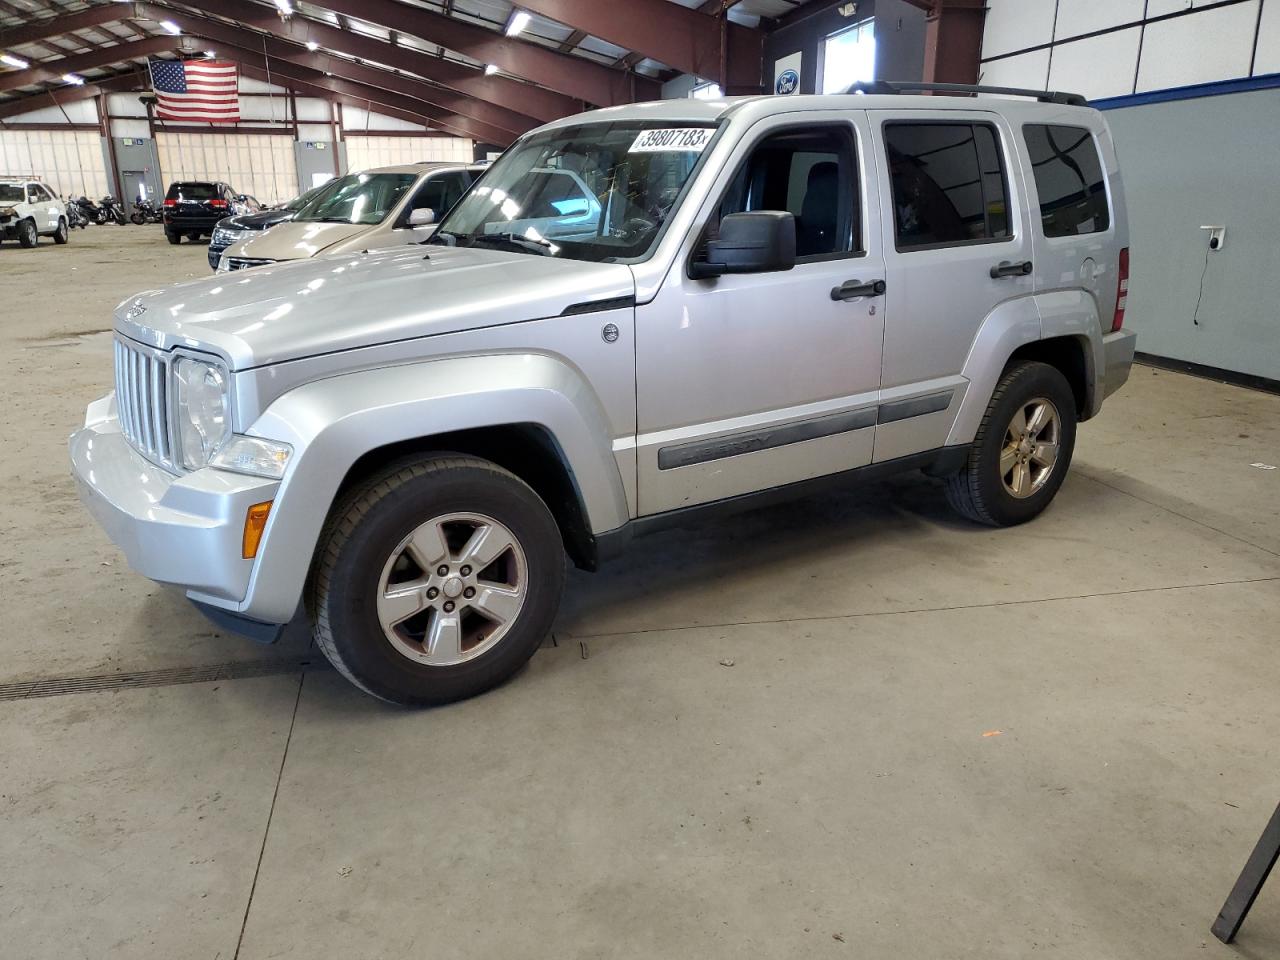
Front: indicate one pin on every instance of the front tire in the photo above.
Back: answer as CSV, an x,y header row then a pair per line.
x,y
60,235
28,236
1022,451
173,236
435,580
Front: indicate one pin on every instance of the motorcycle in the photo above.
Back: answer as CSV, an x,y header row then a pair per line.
x,y
89,210
75,214
144,211
111,210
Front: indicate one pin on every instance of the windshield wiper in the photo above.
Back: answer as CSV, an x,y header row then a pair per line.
x,y
540,246
443,238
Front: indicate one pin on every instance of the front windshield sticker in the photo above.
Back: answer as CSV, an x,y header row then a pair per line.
x,y
690,139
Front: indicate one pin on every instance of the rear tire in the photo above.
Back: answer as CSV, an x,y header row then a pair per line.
x,y
137,218
173,237
60,235
1016,465
194,236
28,236
405,534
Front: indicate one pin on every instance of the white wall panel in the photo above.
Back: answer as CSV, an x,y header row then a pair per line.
x,y
1085,16
131,128
1029,70
1199,48
83,112
312,109
1268,40
125,105
314,131
355,118
1017,24
365,153
1158,8
69,161
1097,67
261,165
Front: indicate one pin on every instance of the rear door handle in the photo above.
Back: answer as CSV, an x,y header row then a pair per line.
x,y
1007,268
852,289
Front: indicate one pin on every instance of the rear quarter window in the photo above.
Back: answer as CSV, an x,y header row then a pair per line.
x,y
1069,179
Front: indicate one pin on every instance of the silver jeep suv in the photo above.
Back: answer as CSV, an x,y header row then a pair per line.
x,y
635,315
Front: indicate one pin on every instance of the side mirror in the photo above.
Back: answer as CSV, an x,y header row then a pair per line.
x,y
422,217
758,242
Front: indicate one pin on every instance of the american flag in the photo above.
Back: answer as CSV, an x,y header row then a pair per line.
x,y
195,90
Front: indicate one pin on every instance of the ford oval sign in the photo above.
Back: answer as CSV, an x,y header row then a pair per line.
x,y
788,83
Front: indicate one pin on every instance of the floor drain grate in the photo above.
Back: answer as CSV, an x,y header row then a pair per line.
x,y
171,676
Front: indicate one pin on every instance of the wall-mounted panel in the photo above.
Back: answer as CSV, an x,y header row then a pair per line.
x,y
1201,48
1096,67
1014,25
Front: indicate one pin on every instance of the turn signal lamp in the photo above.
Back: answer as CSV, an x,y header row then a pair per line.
x,y
255,521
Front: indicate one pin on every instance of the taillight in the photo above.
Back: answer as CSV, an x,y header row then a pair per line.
x,y
170,202
218,204
1122,291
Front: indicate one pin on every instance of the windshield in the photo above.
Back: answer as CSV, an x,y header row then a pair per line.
x,y
297,203
599,191
11,193
364,198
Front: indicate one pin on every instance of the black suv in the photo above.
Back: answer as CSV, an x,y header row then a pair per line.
x,y
194,206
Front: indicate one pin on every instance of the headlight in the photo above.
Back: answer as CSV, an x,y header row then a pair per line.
x,y
222,264
204,423
254,456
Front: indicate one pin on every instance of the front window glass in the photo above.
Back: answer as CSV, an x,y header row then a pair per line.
x,y
10,193
364,198
599,191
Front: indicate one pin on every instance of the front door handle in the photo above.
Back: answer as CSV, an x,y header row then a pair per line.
x,y
1007,268
852,289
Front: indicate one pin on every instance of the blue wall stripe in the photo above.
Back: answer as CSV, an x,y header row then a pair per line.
x,y
1216,89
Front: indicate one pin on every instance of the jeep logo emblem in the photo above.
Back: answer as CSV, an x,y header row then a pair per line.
x,y
136,309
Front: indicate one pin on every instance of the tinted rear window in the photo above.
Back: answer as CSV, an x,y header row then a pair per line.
x,y
1069,179
948,184
191,191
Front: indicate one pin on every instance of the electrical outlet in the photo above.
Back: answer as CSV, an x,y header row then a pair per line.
x,y
1217,237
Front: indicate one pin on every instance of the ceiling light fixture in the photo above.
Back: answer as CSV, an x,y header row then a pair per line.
x,y
312,46
516,23
14,61
73,79
490,70
285,8
171,27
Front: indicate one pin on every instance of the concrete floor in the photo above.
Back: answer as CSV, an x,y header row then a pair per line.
x,y
935,740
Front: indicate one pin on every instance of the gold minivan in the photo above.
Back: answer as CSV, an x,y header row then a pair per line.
x,y
369,210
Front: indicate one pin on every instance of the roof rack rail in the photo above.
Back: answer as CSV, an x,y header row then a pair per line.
x,y
902,86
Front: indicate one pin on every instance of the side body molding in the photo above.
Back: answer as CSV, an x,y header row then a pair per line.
x,y
331,423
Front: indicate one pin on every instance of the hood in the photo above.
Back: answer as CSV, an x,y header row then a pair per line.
x,y
292,310
295,240
257,221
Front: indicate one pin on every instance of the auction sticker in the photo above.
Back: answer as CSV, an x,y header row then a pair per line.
x,y
686,139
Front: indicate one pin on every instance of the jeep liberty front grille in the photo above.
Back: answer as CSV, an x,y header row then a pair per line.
x,y
142,401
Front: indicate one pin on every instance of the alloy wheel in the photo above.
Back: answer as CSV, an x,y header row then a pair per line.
x,y
452,589
1030,450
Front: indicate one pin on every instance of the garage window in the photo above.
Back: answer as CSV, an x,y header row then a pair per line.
x,y
949,185
1069,180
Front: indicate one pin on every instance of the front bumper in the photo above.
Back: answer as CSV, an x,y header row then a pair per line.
x,y
1117,351
185,530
